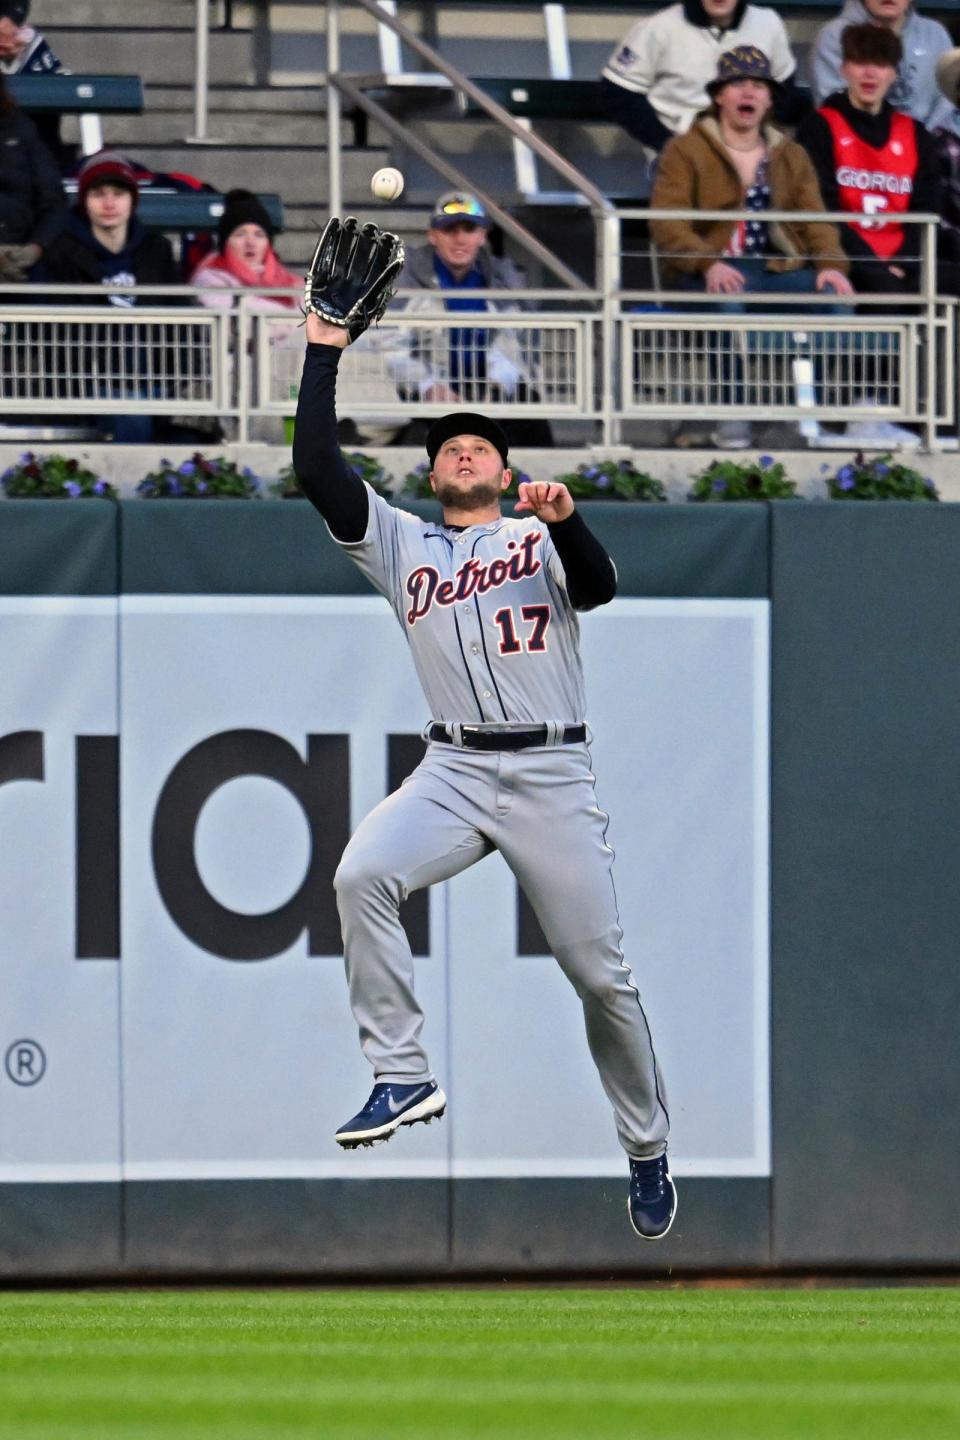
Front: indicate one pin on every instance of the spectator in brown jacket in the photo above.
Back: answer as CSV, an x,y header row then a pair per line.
x,y
733,159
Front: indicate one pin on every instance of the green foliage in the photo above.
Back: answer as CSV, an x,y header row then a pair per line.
x,y
763,479
200,479
285,486
611,480
880,478
53,477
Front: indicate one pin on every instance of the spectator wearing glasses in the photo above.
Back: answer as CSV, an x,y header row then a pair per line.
x,y
471,363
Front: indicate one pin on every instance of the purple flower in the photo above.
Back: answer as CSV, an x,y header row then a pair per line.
x,y
247,473
100,488
845,474
602,481
72,488
824,469
202,487
591,472
765,462
26,457
846,482
880,469
187,468
175,487
719,485
929,483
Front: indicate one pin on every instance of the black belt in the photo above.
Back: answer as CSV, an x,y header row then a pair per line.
x,y
473,738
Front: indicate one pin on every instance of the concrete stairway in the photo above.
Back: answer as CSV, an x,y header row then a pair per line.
x,y
267,137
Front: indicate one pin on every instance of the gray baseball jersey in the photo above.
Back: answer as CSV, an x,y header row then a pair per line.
x,y
495,639
486,614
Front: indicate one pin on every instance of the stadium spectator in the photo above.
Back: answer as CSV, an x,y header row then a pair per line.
x,y
655,83
104,243
33,207
874,160
734,159
948,153
245,259
470,364
24,51
915,90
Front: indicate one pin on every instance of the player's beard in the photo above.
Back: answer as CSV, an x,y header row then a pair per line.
x,y
481,495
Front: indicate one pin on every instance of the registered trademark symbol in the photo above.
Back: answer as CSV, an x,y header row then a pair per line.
x,y
25,1062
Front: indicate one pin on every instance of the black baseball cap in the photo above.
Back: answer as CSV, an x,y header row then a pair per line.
x,y
463,422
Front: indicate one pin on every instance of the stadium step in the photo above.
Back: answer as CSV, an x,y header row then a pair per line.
x,y
107,15
169,55
297,174
232,127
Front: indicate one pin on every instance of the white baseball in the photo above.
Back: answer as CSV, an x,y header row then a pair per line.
x,y
387,184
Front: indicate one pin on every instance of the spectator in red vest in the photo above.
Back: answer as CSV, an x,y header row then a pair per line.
x,y
874,161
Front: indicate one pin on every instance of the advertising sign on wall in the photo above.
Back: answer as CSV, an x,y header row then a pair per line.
x,y
242,742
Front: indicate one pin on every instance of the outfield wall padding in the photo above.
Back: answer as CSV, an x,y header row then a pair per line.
x,y
865,911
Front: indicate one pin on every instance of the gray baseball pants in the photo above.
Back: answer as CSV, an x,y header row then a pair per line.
x,y
538,807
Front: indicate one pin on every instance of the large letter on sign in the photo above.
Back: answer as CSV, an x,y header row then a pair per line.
x,y
320,784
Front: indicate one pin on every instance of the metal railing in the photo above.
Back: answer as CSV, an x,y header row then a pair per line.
x,y
642,355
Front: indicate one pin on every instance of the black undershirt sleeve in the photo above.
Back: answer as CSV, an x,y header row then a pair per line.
x,y
322,473
591,576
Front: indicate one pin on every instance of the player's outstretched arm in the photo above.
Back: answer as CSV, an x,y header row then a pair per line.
x,y
322,473
590,574
348,285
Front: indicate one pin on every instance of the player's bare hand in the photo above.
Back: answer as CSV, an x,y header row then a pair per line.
x,y
547,500
320,333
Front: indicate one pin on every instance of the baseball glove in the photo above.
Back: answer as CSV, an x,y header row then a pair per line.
x,y
353,274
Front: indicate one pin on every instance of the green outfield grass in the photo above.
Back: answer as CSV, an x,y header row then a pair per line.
x,y
554,1363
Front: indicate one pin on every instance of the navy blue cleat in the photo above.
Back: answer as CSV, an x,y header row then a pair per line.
x,y
652,1203
389,1107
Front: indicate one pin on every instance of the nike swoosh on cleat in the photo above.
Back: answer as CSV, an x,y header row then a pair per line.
x,y
396,1109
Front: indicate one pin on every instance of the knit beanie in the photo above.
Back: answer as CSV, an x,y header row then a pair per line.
x,y
241,207
107,167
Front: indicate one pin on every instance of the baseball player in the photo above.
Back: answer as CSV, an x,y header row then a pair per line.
x,y
488,604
